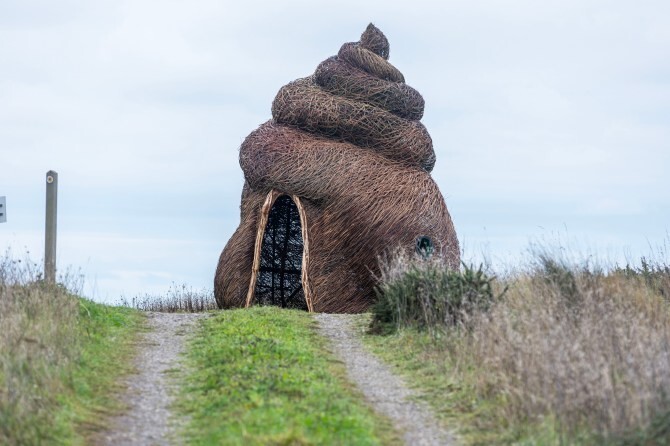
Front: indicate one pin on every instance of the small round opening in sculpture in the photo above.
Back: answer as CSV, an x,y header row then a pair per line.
x,y
424,246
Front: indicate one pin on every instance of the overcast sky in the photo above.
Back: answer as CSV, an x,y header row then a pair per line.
x,y
550,120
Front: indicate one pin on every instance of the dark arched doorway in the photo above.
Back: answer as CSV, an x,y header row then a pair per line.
x,y
279,280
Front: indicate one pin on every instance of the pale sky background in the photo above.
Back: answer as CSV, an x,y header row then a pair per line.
x,y
550,119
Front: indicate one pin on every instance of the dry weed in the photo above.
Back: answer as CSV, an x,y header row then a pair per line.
x,y
37,340
178,299
590,348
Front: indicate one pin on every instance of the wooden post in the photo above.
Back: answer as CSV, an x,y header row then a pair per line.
x,y
3,209
50,228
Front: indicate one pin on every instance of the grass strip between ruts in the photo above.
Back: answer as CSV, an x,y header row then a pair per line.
x,y
264,376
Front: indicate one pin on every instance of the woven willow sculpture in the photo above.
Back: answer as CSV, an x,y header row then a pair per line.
x,y
339,176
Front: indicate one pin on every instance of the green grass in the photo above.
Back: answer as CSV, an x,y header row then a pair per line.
x,y
264,376
59,358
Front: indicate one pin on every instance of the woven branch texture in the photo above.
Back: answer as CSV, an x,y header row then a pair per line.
x,y
347,142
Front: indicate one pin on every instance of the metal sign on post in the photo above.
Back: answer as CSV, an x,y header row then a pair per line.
x,y
50,228
3,209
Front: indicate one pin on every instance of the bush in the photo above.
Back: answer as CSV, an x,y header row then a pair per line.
x,y
426,294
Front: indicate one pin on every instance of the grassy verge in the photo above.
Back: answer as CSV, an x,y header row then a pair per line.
x,y
107,335
570,354
264,376
59,357
450,388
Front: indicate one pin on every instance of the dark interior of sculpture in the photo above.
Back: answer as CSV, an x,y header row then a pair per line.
x,y
280,274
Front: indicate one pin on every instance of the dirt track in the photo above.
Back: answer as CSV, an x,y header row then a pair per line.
x,y
148,421
149,392
386,392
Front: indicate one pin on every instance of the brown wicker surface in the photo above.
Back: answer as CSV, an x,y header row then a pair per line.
x,y
347,146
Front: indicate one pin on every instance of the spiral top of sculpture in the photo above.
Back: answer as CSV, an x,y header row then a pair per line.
x,y
347,140
356,97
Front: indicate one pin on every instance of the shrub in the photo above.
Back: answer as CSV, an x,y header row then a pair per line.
x,y
427,294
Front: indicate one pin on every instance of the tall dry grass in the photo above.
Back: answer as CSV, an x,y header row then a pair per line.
x,y
178,299
583,346
587,347
37,341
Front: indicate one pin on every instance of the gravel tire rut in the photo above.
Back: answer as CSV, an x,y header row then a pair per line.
x,y
149,393
386,392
